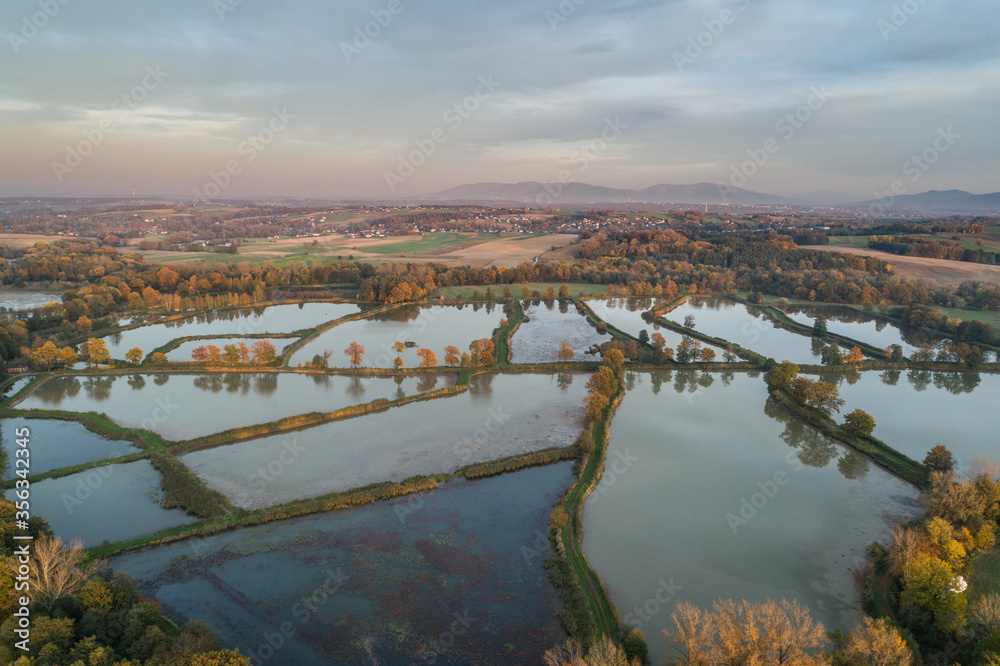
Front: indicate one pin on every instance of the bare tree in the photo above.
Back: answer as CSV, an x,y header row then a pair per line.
x,y
694,640
906,545
984,466
984,615
57,569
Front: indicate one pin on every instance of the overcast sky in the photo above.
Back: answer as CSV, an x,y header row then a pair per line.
x,y
619,93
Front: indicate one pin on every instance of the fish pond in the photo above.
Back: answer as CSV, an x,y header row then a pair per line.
x,y
453,576
183,406
748,327
110,503
916,410
549,324
243,321
54,444
433,327
499,416
711,493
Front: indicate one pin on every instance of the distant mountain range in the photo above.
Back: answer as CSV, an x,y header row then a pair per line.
x,y
556,193
698,194
942,200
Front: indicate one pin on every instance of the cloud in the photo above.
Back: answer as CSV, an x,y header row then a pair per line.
x,y
756,60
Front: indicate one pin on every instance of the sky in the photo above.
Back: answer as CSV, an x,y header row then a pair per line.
x,y
396,98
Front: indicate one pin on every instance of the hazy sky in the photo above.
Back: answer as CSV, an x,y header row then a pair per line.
x,y
626,94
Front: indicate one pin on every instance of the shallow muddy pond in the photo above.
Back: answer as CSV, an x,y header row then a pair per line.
x,y
710,493
54,444
915,410
184,406
747,327
453,576
434,327
878,333
499,416
110,503
244,321
182,354
13,300
549,324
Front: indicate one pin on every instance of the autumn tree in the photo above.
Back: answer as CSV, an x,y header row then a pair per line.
x,y
83,324
658,341
167,279
245,355
355,353
859,423
566,352
452,355
707,355
939,459
213,355
45,356
873,643
96,352
747,633
481,352
158,358
781,375
564,291
230,354
832,354
398,347
427,358
550,294
262,352
134,356
199,354
67,356
894,353
854,356
817,394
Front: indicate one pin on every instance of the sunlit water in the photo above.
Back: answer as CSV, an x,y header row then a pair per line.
x,y
499,416
184,406
244,321
53,444
434,328
710,494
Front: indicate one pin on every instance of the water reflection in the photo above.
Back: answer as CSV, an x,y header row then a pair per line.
x,y
890,377
813,448
427,383
481,385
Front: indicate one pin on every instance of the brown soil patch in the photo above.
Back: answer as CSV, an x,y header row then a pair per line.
x,y
941,271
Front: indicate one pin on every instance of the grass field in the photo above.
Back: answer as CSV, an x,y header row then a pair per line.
x,y
972,315
428,243
854,241
985,578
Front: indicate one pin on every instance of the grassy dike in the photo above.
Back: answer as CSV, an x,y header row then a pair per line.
x,y
845,342
752,357
177,342
884,455
503,346
354,497
299,421
588,612
309,335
